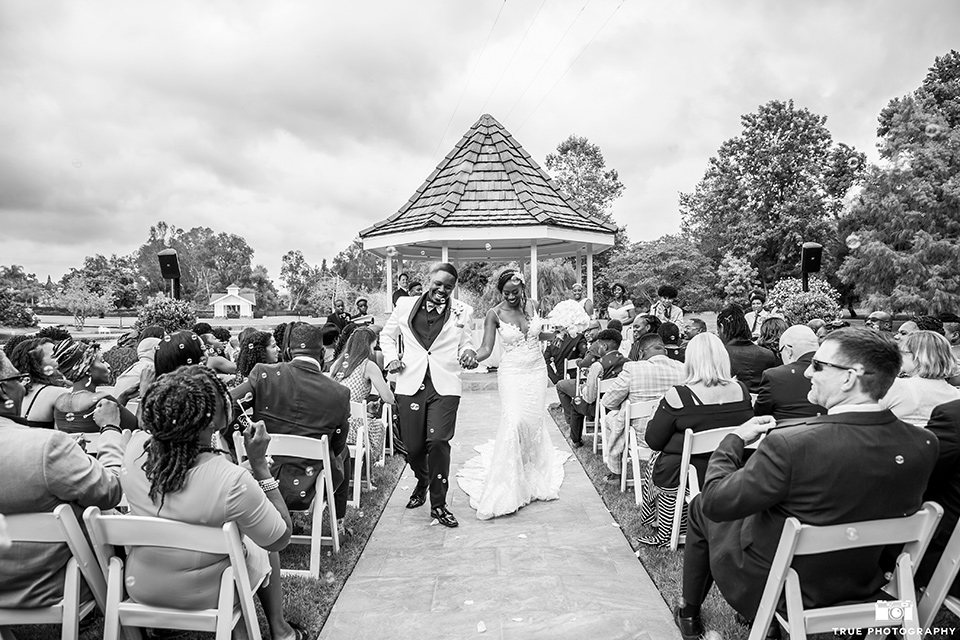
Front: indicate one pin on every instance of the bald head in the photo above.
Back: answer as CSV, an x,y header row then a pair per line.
x,y
796,341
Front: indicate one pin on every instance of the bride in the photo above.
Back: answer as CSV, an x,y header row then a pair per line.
x,y
521,465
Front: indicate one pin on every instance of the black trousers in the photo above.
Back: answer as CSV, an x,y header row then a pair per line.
x,y
427,423
341,486
697,577
574,411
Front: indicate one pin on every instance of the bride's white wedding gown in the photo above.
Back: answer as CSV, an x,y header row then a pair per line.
x,y
521,465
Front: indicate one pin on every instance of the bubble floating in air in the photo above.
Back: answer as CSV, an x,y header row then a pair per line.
x,y
8,404
853,162
77,164
931,130
422,252
487,246
48,370
391,251
854,241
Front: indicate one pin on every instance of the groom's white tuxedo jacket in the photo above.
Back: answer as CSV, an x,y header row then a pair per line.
x,y
443,357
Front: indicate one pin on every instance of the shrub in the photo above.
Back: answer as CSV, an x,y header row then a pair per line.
x,y
16,314
54,333
120,359
800,307
172,315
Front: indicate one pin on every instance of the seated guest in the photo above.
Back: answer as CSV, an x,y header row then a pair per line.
x,y
258,347
41,469
83,364
295,398
216,355
943,488
179,349
757,314
642,325
339,317
131,378
565,346
709,398
747,360
783,390
11,389
605,362
645,379
362,308
664,308
828,327
620,307
869,466
590,334
692,328
670,334
576,293
919,323
927,363
880,321
356,369
34,359
172,472
815,325
951,330
415,289
770,332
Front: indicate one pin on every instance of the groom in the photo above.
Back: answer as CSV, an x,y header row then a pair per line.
x,y
434,333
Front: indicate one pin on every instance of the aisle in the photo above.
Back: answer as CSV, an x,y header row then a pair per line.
x,y
554,570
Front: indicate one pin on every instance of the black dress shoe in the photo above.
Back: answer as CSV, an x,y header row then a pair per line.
x,y
417,499
577,443
444,517
690,628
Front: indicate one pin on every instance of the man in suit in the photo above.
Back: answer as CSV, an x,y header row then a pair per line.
x,y
436,332
859,462
783,390
943,488
295,398
339,317
607,364
565,346
646,379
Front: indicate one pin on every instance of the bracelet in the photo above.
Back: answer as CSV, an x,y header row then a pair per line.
x,y
269,485
110,427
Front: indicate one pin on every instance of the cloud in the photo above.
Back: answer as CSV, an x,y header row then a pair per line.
x,y
297,124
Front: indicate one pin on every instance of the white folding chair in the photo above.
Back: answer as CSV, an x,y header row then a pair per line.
x,y
109,532
360,453
942,579
312,449
914,532
635,452
570,366
694,443
599,414
387,417
61,526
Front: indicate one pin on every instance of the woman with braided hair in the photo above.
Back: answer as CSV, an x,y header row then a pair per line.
x,y
35,360
171,471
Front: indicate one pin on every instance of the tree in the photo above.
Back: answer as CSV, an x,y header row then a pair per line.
x,y
115,274
799,306
777,185
360,268
298,277
268,299
736,277
902,231
80,298
579,170
18,285
172,315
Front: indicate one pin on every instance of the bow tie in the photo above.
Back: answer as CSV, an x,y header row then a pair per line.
x,y
435,307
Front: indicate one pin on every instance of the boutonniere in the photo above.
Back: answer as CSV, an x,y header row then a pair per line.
x,y
457,310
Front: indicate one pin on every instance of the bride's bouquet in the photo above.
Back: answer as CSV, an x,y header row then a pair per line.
x,y
569,316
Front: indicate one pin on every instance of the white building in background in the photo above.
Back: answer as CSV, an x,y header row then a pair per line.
x,y
234,302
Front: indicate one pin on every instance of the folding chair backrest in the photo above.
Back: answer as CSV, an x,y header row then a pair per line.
x,y
299,447
914,532
642,410
358,410
942,579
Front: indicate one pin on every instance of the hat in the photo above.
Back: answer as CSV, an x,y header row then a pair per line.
x,y
594,324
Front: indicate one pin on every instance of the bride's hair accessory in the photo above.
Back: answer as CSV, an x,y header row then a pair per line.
x,y
569,315
508,276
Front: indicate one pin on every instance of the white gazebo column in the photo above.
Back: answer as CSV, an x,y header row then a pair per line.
x,y
389,282
533,270
445,251
579,279
590,275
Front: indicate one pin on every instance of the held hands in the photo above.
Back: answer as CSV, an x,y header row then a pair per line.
x,y
106,413
754,427
256,439
468,359
395,366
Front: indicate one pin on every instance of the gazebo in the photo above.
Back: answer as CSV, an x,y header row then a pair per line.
x,y
489,200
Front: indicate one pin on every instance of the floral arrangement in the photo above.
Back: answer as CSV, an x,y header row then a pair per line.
x,y
569,315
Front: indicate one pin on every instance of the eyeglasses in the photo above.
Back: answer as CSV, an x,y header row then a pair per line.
x,y
818,366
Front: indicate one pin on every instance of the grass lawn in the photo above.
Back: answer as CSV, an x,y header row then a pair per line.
x,y
665,566
306,601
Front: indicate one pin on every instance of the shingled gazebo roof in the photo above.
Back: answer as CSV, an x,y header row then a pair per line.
x,y
488,191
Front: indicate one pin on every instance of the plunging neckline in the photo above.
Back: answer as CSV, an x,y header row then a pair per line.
x,y
515,325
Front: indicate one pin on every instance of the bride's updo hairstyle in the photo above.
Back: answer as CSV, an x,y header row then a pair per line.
x,y
512,275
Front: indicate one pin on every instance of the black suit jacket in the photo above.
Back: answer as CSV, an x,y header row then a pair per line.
x,y
783,392
944,486
826,470
294,398
568,348
748,362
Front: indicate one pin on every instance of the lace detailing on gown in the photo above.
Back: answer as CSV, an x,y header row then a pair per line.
x,y
521,465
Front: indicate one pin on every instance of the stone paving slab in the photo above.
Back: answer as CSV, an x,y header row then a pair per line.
x,y
553,570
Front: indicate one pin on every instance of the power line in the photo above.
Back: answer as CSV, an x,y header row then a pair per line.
x,y
512,56
570,66
469,78
549,55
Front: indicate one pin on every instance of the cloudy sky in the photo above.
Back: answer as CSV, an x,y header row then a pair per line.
x,y
297,124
